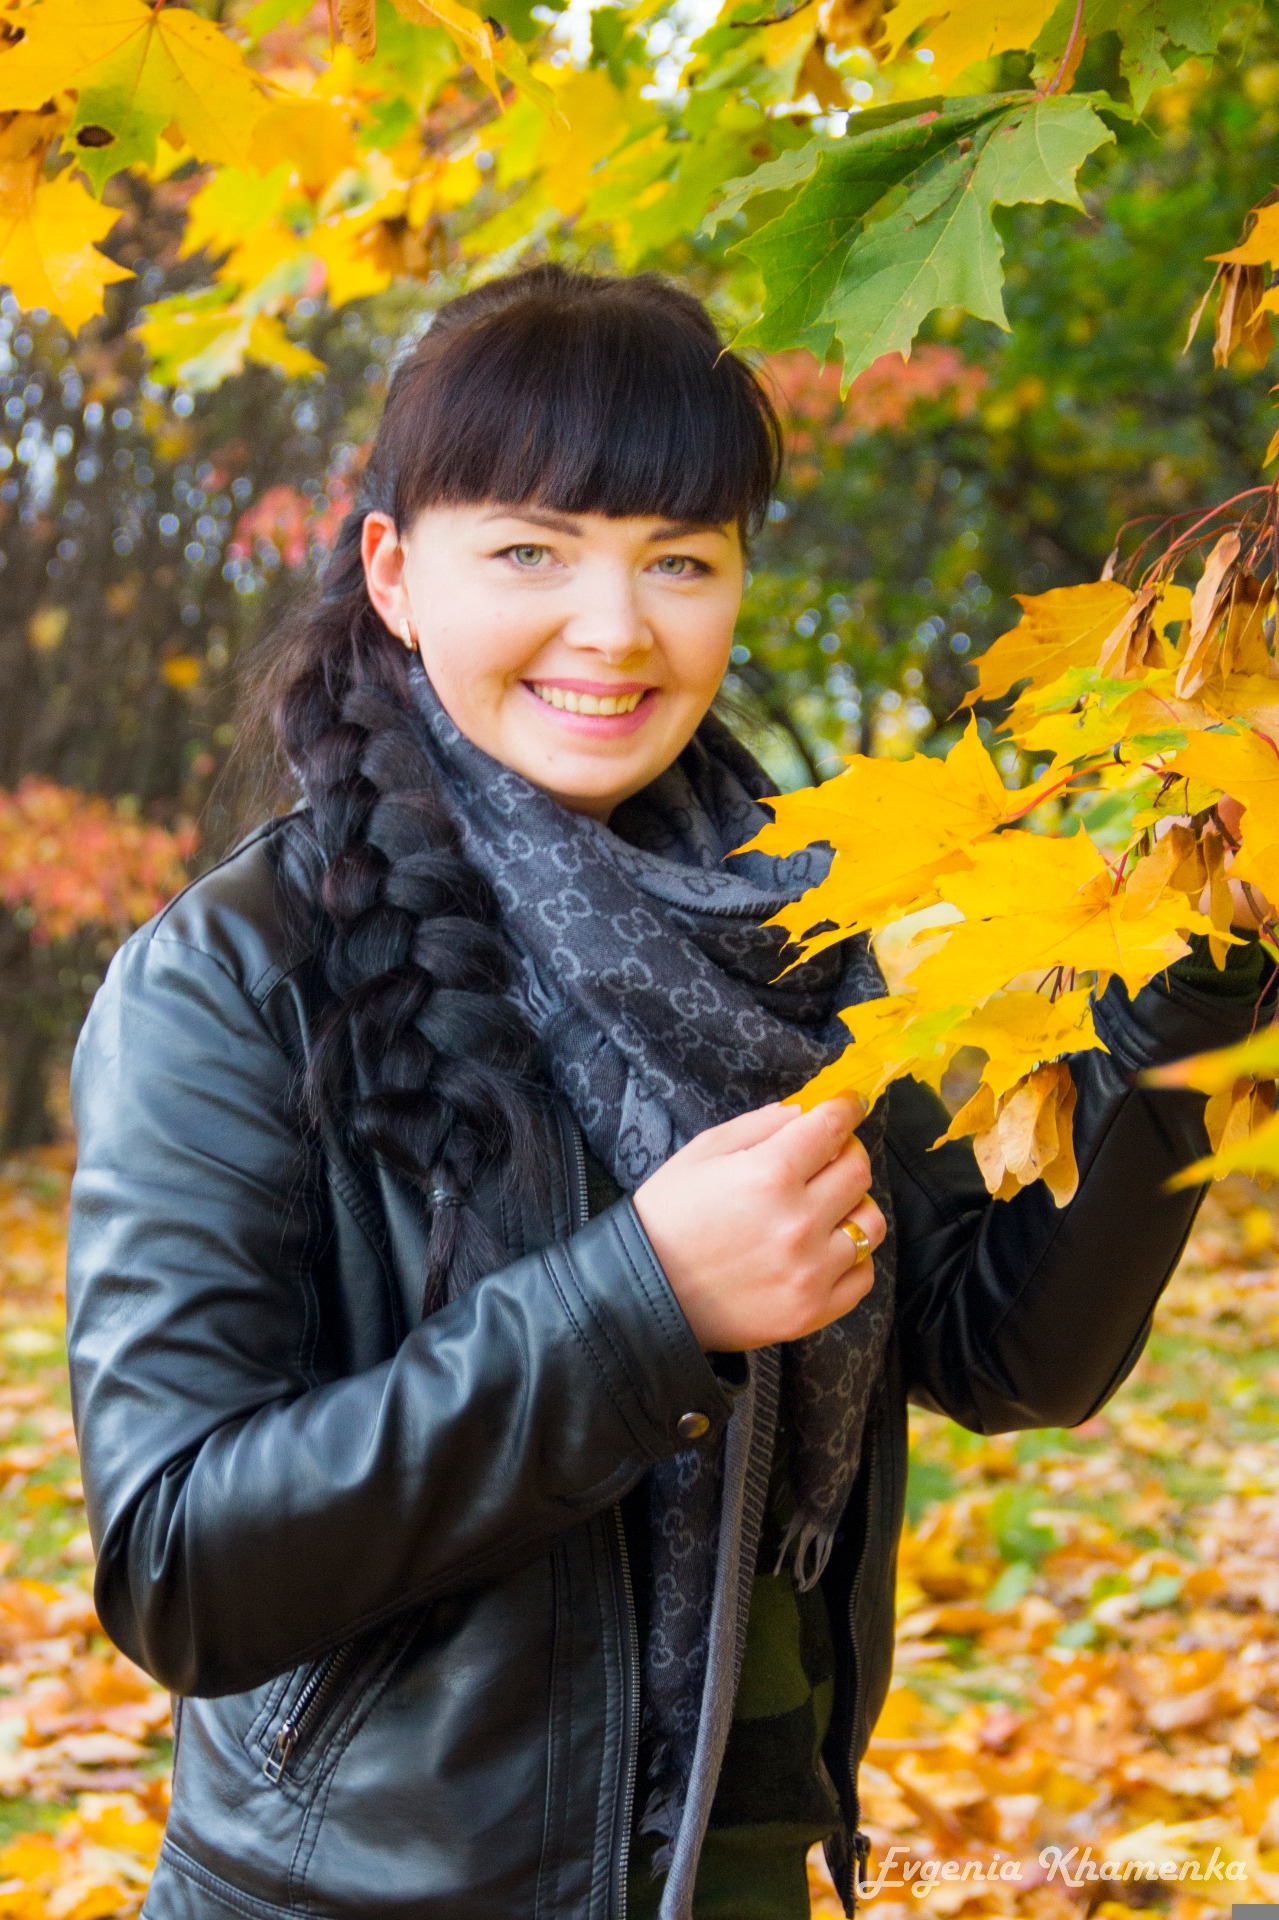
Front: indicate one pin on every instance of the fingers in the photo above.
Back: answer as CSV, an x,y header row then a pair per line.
x,y
868,1217
849,1289
810,1142
746,1131
838,1188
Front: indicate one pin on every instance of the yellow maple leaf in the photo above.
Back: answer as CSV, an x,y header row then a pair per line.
x,y
351,268
357,23
963,34
1065,627
471,34
1255,1153
1200,654
1261,248
1033,904
1240,1081
1246,766
1072,737
889,1040
1252,697
143,68
230,206
311,137
1213,1072
596,117
1176,861
1025,1134
895,825
47,231
1019,1032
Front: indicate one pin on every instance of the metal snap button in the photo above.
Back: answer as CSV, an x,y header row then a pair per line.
x,y
691,1426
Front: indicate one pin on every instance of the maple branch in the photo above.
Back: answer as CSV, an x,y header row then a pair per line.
x,y
1064,62
1050,793
771,19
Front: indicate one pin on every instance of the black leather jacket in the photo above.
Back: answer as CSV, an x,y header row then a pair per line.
x,y
379,1561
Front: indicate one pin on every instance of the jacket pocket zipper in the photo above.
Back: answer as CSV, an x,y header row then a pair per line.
x,y
305,1712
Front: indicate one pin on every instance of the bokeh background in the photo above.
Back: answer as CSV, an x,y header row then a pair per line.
x,y
1089,1650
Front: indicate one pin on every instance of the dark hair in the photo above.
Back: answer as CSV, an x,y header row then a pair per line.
x,y
582,393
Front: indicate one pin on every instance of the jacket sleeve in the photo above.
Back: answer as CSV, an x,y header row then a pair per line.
x,y
1020,1314
245,1514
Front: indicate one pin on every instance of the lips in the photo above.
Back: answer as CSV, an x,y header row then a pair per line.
x,y
601,705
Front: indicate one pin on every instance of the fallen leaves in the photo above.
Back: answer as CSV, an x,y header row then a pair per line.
x,y
1087,1650
1087,1653
83,1732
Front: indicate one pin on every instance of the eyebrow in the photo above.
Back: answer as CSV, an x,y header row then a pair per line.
x,y
564,523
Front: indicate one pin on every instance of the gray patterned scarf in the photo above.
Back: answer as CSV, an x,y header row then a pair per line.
x,y
653,984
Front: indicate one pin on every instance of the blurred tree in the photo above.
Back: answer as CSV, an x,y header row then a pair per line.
x,y
147,534
76,875
906,526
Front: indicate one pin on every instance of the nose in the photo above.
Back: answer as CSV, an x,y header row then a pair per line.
x,y
607,618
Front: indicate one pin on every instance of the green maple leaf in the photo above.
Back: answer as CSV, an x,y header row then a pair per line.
x,y
1156,35
861,258
803,252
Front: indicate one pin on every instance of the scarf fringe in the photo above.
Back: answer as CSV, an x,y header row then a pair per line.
x,y
663,1813
816,1539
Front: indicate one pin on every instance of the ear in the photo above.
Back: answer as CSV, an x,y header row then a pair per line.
x,y
383,558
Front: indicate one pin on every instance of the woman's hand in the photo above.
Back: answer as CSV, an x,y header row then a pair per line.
x,y
746,1223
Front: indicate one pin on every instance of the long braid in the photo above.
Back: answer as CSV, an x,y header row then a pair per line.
x,y
429,1065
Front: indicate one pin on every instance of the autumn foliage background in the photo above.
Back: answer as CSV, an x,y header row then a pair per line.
x,y
1087,1649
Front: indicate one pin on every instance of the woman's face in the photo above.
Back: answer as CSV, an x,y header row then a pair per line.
x,y
580,651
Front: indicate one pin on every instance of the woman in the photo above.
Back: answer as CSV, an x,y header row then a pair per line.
x,y
433,1194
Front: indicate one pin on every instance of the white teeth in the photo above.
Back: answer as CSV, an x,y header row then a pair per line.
x,y
602,704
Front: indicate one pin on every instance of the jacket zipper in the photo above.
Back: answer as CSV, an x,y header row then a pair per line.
x,y
577,1182
305,1711
632,1716
578,1196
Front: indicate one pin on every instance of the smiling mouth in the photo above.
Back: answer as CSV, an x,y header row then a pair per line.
x,y
604,704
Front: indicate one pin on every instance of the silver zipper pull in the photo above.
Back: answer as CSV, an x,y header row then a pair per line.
x,y
278,1758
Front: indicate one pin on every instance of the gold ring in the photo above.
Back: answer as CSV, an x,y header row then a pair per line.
x,y
860,1241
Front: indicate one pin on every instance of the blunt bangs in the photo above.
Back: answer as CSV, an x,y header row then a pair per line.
x,y
583,394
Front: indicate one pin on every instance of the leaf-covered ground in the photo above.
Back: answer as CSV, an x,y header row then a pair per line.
x,y
1088,1643
1089,1647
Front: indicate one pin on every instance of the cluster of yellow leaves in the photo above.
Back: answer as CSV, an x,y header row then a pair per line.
x,y
993,908
122,84
1087,1654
